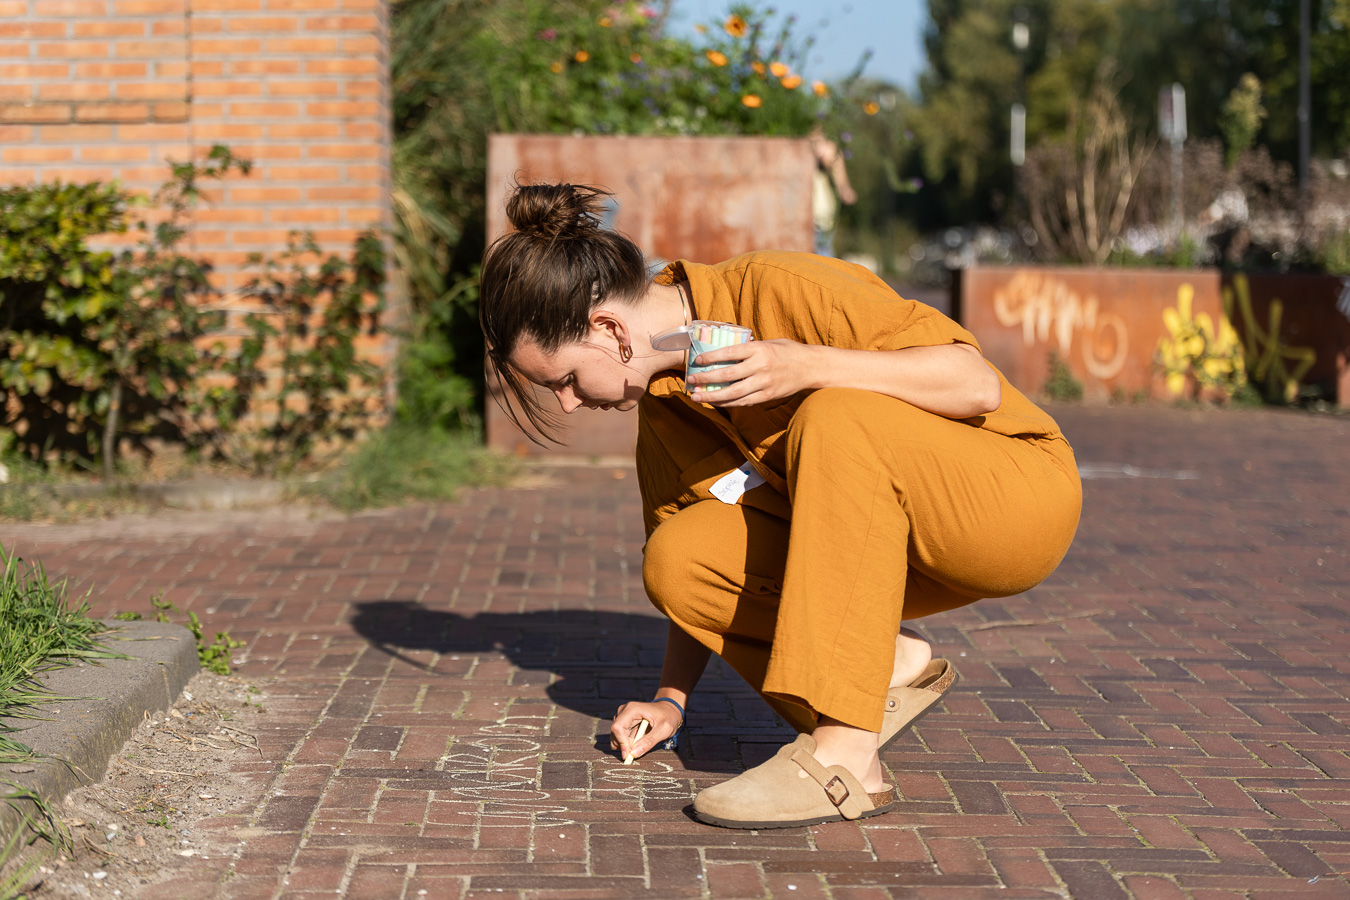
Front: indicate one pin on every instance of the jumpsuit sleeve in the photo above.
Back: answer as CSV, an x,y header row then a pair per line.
x,y
838,304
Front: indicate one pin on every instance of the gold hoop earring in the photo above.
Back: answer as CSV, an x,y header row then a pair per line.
x,y
625,353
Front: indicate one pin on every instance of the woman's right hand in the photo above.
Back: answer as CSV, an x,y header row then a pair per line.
x,y
664,720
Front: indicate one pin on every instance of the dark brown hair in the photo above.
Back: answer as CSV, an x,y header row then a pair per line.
x,y
541,282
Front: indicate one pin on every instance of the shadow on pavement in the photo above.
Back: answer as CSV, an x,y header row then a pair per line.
x,y
601,659
590,662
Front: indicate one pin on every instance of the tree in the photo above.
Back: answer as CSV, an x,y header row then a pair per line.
x,y
1241,118
961,115
1079,186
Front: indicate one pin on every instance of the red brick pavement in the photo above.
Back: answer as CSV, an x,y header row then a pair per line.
x,y
1166,717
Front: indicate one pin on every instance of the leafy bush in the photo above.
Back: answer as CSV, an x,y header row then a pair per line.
x,y
407,462
96,345
612,69
95,342
1333,254
308,319
1062,385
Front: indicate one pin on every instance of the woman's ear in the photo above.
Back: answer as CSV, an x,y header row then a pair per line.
x,y
607,325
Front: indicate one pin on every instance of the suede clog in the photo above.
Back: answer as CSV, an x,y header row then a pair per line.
x,y
909,703
774,794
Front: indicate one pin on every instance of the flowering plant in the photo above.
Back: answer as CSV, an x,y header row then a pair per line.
x,y
613,69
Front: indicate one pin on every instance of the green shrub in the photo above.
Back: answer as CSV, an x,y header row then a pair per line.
x,y
1062,385
406,463
311,310
1333,254
97,345
81,356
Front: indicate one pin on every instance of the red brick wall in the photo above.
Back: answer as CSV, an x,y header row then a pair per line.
x,y
102,89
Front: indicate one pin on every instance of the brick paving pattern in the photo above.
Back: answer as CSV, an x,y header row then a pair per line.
x,y
1166,717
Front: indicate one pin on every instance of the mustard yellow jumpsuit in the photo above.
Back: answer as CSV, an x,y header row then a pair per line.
x,y
871,511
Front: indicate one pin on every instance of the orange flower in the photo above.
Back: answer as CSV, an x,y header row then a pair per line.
x,y
635,58
792,82
778,69
758,67
735,26
820,88
606,21
555,67
717,59
581,56
752,100
871,108
701,29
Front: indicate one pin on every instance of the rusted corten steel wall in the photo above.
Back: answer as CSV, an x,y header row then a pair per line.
x,y
1297,317
703,199
1106,324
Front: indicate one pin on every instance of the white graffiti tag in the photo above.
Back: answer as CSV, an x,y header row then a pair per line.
x,y
1042,305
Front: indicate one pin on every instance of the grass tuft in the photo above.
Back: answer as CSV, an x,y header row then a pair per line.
x,y
404,463
39,631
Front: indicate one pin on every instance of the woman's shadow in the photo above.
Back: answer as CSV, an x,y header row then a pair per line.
x,y
601,660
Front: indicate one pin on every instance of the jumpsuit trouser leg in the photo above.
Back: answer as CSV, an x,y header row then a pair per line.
x,y
897,514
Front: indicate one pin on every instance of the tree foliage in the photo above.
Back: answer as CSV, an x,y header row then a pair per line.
x,y
961,112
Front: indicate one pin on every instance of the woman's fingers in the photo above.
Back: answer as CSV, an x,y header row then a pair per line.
x,y
624,728
761,371
627,721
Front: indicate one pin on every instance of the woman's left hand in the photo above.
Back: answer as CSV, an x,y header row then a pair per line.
x,y
763,371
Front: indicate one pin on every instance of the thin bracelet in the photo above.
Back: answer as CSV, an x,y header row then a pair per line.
x,y
673,741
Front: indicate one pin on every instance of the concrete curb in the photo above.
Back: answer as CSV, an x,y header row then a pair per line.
x,y
74,738
203,494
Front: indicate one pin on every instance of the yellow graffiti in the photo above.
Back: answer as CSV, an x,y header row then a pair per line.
x,y
1195,354
1265,347
1041,305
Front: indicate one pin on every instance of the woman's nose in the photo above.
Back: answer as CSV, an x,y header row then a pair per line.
x,y
568,400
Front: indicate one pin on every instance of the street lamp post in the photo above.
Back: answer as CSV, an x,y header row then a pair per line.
x,y
1304,103
1172,127
1017,144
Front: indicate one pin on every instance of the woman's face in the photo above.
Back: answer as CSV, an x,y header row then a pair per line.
x,y
585,373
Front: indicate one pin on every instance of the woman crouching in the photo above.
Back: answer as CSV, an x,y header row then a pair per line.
x,y
857,464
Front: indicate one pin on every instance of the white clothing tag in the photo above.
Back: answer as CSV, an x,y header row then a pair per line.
x,y
730,486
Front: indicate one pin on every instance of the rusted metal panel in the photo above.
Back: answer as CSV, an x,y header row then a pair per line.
x,y
1106,324
699,198
1300,324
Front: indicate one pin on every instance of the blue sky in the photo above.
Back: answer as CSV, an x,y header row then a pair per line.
x,y
892,29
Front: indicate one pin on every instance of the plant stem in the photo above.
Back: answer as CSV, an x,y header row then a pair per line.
x,y
110,433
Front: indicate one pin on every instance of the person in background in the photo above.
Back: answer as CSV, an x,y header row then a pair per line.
x,y
829,188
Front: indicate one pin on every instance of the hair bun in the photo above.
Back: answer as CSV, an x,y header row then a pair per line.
x,y
555,211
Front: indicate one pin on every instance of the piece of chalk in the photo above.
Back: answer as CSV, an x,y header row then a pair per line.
x,y
642,729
